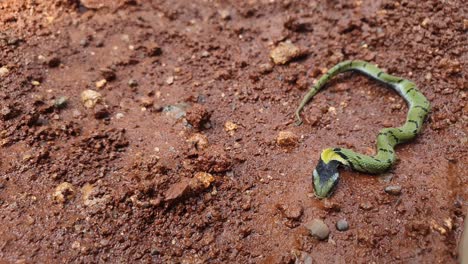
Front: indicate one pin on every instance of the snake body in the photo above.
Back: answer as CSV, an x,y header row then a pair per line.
x,y
325,175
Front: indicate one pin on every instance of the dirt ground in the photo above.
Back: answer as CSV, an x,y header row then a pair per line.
x,y
172,157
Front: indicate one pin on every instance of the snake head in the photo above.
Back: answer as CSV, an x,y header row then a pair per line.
x,y
325,178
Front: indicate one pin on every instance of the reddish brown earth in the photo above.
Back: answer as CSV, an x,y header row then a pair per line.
x,y
128,177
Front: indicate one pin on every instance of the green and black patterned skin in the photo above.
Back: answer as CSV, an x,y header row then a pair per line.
x,y
325,175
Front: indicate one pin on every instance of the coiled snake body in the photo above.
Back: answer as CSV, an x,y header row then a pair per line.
x,y
325,175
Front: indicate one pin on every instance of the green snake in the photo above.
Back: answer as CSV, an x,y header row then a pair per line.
x,y
325,175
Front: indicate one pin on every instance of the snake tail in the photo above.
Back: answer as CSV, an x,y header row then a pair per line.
x,y
326,175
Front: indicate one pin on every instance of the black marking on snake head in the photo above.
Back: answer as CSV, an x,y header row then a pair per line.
x,y
380,73
389,161
415,131
384,150
326,170
337,149
345,158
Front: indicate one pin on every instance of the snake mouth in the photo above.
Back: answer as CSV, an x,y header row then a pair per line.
x,y
325,178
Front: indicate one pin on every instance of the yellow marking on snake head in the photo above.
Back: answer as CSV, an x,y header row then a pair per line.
x,y
328,155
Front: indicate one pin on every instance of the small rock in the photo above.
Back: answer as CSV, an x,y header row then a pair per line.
x,y
285,52
101,112
425,22
198,116
177,191
230,127
108,74
366,206
265,68
205,178
198,140
119,115
298,25
287,139
90,98
386,177
76,113
170,80
9,112
153,50
146,101
331,206
35,83
292,211
318,229
4,71
53,62
63,192
132,83
61,102
176,111
98,4
101,83
224,14
393,190
342,225
104,242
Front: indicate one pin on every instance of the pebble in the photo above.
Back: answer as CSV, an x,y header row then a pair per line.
x,y
386,177
331,206
199,141
265,68
224,14
292,211
53,62
119,115
318,229
90,98
285,52
153,50
177,111
101,112
366,206
61,102
63,192
170,80
101,83
393,190
146,101
204,178
132,83
4,71
177,191
287,139
230,127
342,225
108,74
